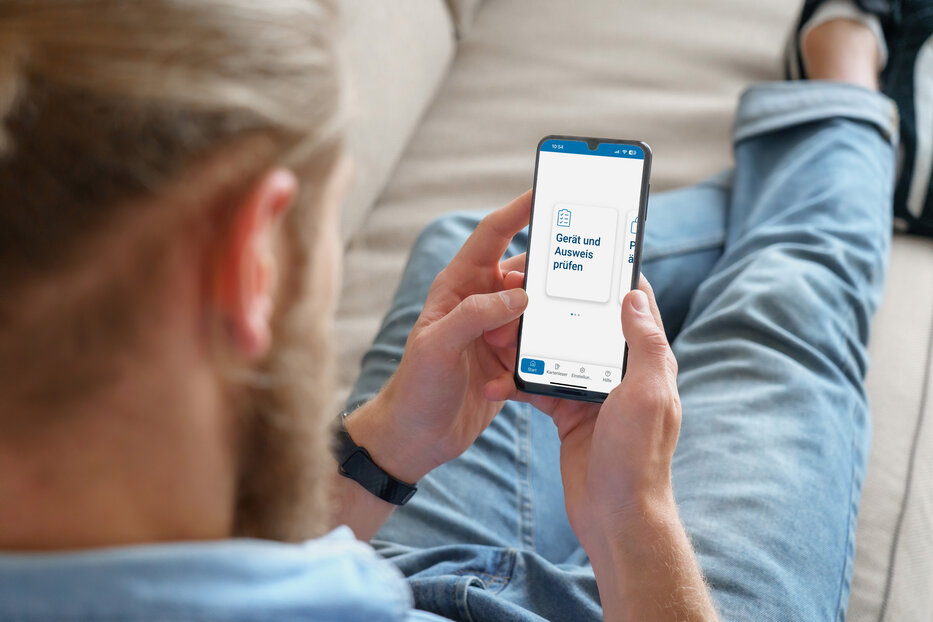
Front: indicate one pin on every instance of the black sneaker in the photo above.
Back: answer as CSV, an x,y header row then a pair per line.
x,y
908,80
887,11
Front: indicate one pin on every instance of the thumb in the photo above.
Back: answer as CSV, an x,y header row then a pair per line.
x,y
479,313
649,353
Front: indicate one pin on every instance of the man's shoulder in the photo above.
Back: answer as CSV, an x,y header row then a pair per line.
x,y
333,577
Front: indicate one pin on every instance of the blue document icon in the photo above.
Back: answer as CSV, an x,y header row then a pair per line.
x,y
563,218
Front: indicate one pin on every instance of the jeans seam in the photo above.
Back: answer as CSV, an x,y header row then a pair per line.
x,y
525,498
854,489
849,551
481,574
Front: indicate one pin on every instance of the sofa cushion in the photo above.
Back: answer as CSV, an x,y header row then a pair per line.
x,y
397,53
893,575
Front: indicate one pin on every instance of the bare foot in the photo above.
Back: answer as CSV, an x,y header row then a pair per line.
x,y
842,50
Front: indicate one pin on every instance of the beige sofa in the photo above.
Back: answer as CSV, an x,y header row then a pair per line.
x,y
449,100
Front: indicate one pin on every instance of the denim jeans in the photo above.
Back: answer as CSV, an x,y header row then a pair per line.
x,y
767,278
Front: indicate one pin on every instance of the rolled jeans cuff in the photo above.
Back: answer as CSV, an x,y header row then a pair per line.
x,y
773,106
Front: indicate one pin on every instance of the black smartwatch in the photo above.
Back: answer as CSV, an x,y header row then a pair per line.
x,y
356,463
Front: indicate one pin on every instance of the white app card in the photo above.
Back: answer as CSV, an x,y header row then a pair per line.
x,y
582,251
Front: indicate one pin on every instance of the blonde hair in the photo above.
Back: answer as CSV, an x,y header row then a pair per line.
x,y
106,103
273,61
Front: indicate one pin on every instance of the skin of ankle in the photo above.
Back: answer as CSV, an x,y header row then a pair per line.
x,y
842,50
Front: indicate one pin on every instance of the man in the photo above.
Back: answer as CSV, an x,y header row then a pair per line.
x,y
167,285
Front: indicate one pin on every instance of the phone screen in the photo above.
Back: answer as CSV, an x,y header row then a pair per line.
x,y
583,252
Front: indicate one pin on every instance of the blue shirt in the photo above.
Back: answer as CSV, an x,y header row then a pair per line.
x,y
335,577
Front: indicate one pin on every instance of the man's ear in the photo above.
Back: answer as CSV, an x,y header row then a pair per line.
x,y
245,274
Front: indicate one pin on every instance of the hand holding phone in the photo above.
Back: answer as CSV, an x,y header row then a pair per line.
x,y
589,205
434,406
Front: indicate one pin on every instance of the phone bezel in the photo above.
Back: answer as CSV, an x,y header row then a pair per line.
x,y
569,393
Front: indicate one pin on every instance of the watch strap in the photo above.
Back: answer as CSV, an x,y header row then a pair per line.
x,y
356,463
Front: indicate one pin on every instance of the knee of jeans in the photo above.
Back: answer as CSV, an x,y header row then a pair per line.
x,y
849,171
814,295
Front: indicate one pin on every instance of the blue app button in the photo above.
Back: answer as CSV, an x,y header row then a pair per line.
x,y
533,366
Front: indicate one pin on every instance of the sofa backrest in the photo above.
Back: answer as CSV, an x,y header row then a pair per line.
x,y
397,54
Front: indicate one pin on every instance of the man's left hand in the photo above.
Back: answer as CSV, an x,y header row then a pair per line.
x,y
435,406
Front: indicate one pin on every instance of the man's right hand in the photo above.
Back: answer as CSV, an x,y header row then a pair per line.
x,y
616,469
617,463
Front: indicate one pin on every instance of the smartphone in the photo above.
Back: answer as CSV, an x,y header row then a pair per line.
x,y
589,207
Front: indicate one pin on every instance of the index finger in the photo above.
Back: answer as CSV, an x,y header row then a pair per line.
x,y
486,245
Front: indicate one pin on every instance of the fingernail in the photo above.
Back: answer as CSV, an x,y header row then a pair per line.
x,y
640,301
514,298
